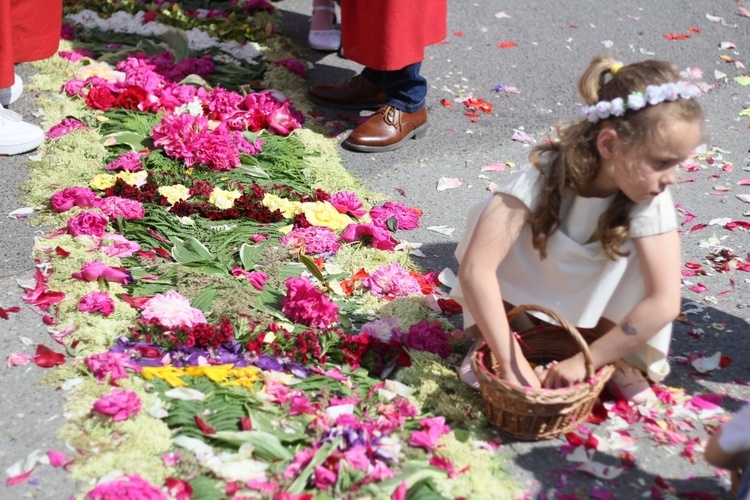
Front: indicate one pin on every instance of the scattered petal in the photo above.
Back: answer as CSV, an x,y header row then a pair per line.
x,y
601,471
445,183
703,365
502,15
446,230
507,45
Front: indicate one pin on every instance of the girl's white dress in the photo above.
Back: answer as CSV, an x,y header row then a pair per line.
x,y
577,280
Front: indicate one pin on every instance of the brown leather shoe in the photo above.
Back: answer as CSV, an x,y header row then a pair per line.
x,y
388,129
355,93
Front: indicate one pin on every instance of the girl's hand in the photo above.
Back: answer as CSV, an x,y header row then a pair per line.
x,y
564,373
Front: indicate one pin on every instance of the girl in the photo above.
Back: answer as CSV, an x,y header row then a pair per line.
x,y
589,232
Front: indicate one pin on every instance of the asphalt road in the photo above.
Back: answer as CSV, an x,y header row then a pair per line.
x,y
555,41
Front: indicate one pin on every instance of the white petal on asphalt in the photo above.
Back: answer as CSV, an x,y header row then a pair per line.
x,y
21,212
703,365
447,277
600,470
744,197
445,183
446,230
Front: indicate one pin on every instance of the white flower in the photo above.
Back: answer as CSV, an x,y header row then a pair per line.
x,y
636,101
603,109
618,107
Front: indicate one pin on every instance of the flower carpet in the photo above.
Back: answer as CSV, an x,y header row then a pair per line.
x,y
237,315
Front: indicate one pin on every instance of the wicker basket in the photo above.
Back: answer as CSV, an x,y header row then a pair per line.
x,y
534,414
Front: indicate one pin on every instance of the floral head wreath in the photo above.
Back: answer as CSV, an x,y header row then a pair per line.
x,y
653,95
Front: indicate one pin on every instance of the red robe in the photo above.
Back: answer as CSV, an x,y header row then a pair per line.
x,y
29,31
391,34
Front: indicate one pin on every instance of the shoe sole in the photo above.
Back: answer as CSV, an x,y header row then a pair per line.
x,y
355,107
417,133
24,147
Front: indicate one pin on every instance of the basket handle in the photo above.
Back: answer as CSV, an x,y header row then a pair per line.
x,y
569,327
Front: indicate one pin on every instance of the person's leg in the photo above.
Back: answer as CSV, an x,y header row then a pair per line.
x,y
323,34
403,116
404,89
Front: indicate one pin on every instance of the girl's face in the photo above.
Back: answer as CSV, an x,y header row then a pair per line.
x,y
643,170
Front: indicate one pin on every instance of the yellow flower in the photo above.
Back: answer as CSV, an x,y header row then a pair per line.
x,y
246,372
174,193
102,70
287,208
169,374
102,181
247,383
217,373
136,179
223,199
322,213
286,229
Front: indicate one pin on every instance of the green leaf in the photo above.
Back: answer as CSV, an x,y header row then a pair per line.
x,y
743,80
251,170
745,112
178,43
310,265
190,250
291,270
462,435
135,141
204,301
266,445
196,81
392,224
269,301
250,254
205,488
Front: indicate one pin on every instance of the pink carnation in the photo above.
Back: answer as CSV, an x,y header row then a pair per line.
x,y
283,120
67,198
406,217
256,278
120,404
313,239
87,223
116,245
306,305
115,207
97,302
96,269
377,237
110,363
347,202
66,126
432,429
172,310
392,281
294,65
130,161
126,488
429,337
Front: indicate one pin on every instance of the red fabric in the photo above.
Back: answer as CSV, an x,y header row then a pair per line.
x,y
391,34
29,31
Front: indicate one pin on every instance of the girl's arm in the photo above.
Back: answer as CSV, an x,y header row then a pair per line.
x,y
497,229
659,257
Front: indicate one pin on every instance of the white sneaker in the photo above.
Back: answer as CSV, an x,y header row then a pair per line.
x,y
17,136
9,95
